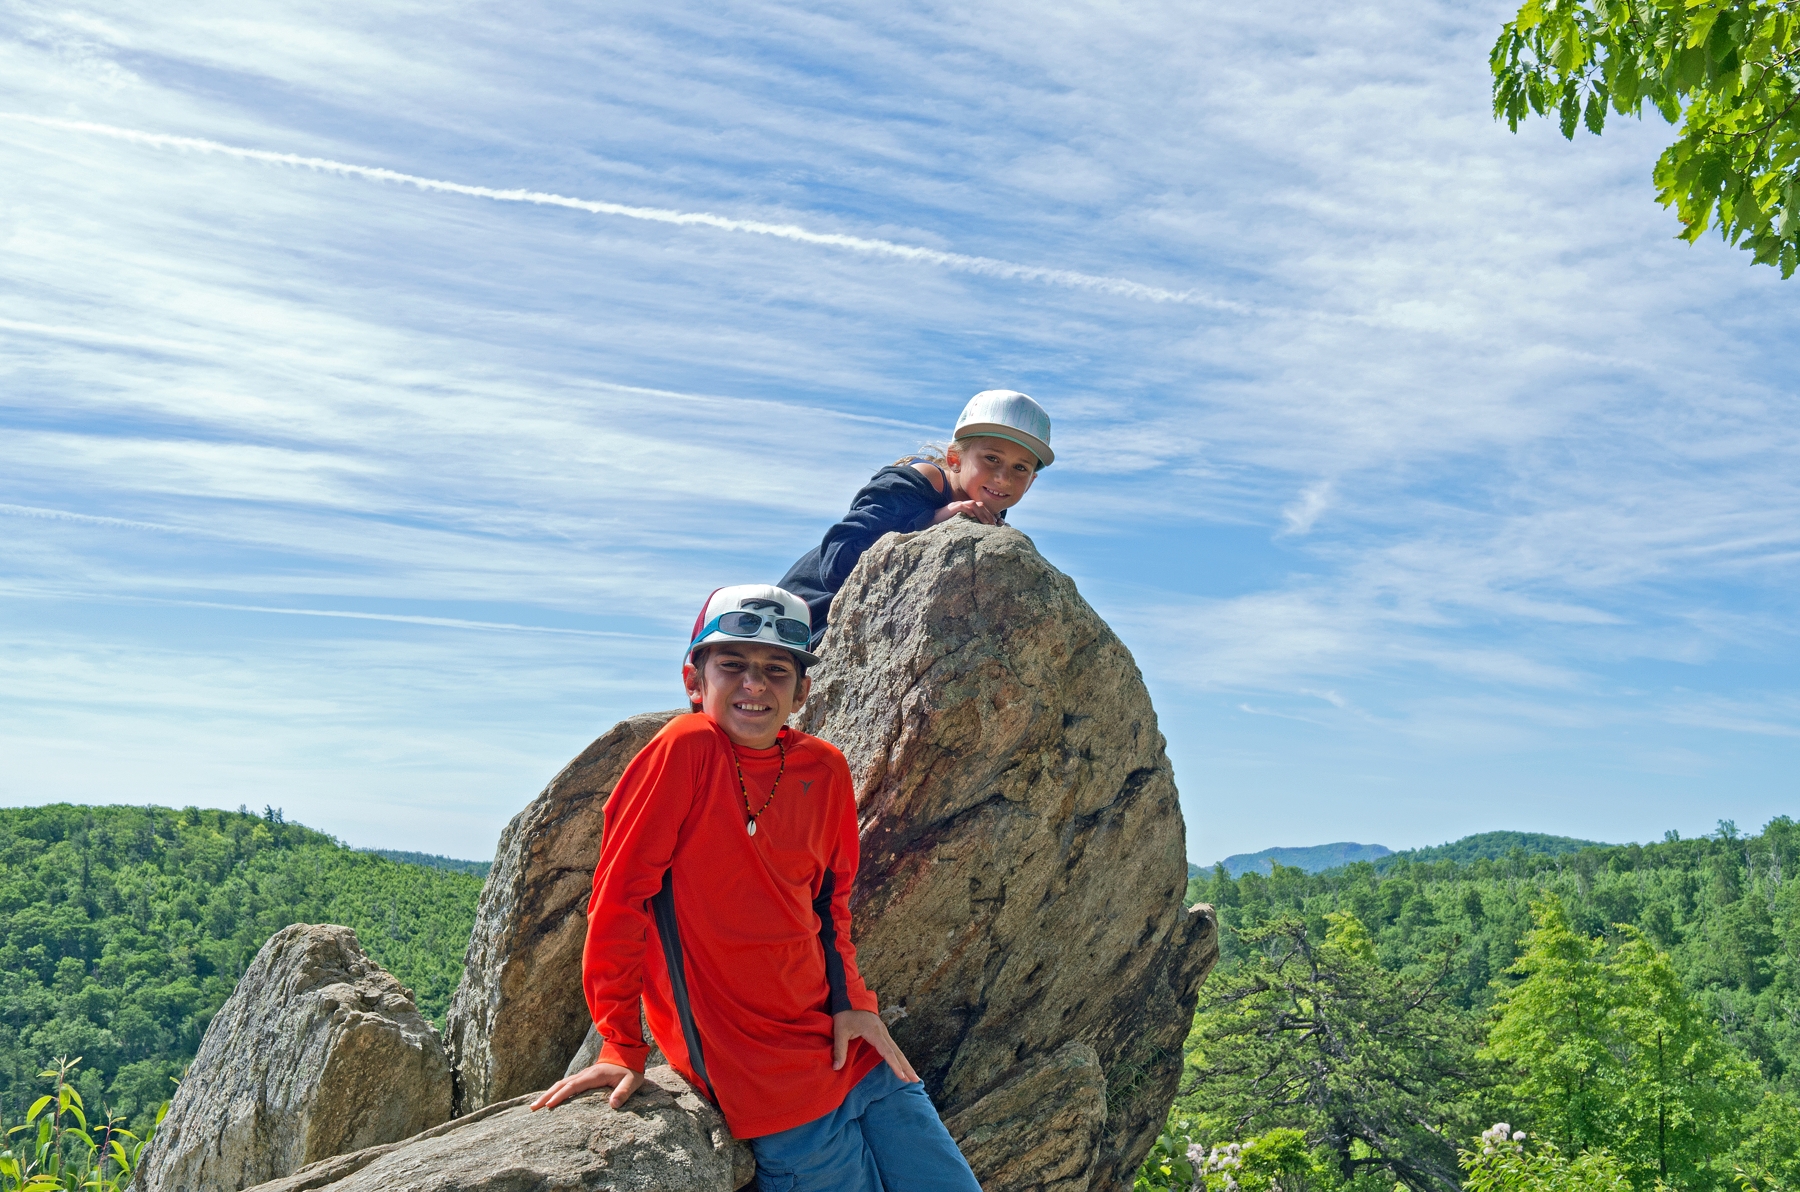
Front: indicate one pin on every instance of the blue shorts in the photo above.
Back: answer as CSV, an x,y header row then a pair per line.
x,y
885,1137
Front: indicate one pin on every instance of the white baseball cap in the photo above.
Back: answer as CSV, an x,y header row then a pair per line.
x,y
755,613
1010,415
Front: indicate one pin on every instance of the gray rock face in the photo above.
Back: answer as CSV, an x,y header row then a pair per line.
x,y
666,1138
1041,1130
519,1013
1022,846
318,1051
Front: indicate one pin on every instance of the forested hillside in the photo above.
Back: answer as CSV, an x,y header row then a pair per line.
x,y
1638,1002
123,929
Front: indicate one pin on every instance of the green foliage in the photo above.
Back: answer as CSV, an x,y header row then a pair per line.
x,y
1375,1067
1726,70
1692,946
1605,1048
58,1149
1279,1161
1501,1162
1169,1165
1767,1158
123,930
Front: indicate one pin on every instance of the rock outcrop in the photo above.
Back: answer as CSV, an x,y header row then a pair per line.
x,y
519,1013
1018,910
1022,846
666,1138
1041,1130
318,1051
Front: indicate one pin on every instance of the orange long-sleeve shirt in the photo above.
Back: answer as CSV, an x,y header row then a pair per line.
x,y
760,938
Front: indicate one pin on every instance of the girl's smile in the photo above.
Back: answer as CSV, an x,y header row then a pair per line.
x,y
996,472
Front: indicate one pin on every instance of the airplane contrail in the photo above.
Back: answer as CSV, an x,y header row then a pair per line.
x,y
987,266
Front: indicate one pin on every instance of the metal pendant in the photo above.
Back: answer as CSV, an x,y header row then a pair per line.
x,y
751,827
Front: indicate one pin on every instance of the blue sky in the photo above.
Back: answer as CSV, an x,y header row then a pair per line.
x,y
1434,485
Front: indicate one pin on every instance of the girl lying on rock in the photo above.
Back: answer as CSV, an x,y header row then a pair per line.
x,y
722,901
1000,444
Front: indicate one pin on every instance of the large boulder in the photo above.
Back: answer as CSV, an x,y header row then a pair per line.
x,y
1019,903
519,1013
666,1138
1023,855
318,1051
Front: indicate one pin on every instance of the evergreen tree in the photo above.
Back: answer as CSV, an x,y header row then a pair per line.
x,y
1375,1068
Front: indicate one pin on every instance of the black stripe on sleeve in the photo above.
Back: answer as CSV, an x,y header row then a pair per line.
x,y
839,996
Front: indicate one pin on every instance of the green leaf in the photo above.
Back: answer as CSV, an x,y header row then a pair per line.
x,y
1595,115
37,1107
1570,112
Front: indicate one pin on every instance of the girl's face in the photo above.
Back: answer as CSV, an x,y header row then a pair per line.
x,y
996,472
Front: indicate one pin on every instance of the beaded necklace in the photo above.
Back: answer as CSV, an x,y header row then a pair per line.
x,y
743,790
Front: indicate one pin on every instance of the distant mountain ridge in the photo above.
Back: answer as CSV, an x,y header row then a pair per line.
x,y
1492,846
1314,858
1318,858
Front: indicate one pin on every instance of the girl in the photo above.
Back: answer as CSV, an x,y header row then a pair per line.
x,y
1001,443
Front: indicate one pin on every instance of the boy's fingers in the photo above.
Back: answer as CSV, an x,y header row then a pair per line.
x,y
840,1048
552,1096
628,1084
896,1059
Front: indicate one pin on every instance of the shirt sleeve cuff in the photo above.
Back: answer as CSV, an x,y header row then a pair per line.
x,y
865,1001
624,1055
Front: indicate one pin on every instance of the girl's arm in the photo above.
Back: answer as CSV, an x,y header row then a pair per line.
x,y
877,510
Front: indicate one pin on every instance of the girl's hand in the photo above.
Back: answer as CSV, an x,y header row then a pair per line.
x,y
974,509
622,1081
860,1024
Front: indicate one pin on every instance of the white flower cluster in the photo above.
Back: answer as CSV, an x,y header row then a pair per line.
x,y
1221,1160
1501,1136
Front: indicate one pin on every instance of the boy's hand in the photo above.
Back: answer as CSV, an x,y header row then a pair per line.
x,y
974,509
860,1024
622,1081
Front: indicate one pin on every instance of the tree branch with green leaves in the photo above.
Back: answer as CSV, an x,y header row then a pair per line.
x,y
1726,71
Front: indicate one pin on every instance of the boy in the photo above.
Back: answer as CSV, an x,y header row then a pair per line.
x,y
722,898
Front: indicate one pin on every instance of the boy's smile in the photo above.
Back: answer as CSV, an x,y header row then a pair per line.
x,y
996,472
748,688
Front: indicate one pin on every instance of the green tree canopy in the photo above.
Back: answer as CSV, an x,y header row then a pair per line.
x,y
1605,1049
1726,70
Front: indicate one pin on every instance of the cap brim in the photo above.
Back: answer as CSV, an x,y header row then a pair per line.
x,y
1012,434
805,656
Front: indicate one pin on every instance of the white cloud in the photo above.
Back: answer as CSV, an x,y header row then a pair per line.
x,y
1468,443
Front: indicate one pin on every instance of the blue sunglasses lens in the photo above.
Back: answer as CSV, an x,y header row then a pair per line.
x,y
791,631
740,624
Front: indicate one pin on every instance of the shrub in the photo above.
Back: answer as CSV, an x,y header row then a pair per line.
x,y
59,1150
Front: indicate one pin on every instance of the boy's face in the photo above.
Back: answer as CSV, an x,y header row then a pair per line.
x,y
748,688
996,472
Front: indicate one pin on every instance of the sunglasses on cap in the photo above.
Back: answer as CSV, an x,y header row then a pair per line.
x,y
743,623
